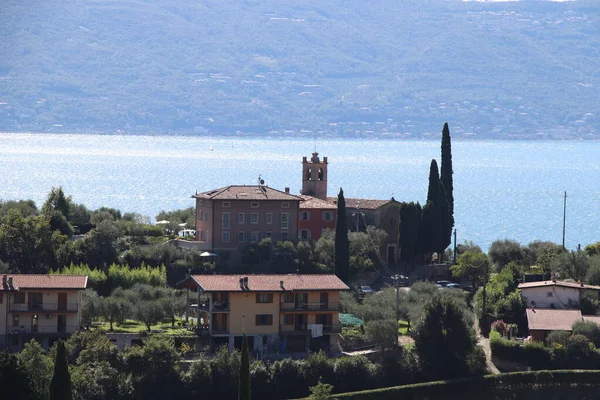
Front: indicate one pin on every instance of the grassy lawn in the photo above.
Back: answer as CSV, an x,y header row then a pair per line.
x,y
133,326
403,327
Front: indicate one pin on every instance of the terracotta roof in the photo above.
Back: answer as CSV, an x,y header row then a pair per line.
x,y
364,204
315,202
243,192
545,319
573,285
267,283
31,281
592,318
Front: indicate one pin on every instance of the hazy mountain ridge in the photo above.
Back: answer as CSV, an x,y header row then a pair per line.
x,y
345,67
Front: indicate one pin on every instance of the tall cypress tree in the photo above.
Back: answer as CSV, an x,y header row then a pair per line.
x,y
342,245
244,386
433,190
446,178
408,230
60,386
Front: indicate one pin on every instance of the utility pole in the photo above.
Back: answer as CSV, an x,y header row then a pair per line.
x,y
397,282
454,253
564,220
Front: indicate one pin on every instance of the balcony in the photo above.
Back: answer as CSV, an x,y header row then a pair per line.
x,y
44,307
204,305
204,330
310,306
305,329
22,330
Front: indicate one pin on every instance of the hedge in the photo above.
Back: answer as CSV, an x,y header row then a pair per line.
x,y
547,385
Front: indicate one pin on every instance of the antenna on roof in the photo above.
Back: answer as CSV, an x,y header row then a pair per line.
x,y
260,181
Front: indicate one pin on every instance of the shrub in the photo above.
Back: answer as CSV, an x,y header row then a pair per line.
x,y
558,337
500,327
353,373
589,329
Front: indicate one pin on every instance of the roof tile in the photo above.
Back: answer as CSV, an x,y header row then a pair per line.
x,y
546,319
36,281
269,283
243,192
315,202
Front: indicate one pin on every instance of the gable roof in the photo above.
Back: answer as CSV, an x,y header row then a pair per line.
x,y
265,283
545,319
573,285
316,203
364,204
38,281
243,192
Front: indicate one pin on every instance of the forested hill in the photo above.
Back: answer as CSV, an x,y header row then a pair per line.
x,y
345,67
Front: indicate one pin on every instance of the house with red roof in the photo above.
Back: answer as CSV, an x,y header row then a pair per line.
x,y
279,313
314,217
41,307
229,218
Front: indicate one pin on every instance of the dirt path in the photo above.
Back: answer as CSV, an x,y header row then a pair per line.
x,y
485,345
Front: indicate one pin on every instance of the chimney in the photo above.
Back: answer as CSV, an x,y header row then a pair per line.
x,y
281,285
4,277
242,283
246,283
287,190
10,283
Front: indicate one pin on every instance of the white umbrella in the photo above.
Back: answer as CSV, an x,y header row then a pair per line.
x,y
163,222
207,254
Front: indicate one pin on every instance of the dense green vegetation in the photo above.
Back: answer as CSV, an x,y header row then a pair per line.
x,y
346,68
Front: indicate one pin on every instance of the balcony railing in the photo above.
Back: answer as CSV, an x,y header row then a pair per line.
x,y
44,307
305,328
16,330
205,306
311,306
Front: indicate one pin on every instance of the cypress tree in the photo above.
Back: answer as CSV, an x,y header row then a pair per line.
x,y
446,178
244,385
342,245
433,190
408,231
60,386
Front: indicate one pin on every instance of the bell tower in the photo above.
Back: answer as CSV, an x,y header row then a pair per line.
x,y
314,176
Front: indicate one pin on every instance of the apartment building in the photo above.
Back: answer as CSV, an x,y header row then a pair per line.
x,y
278,313
229,218
41,307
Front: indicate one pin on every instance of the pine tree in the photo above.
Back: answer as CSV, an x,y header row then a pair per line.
x,y
244,385
446,178
342,245
60,386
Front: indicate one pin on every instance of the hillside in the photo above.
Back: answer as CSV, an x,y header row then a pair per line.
x,y
516,69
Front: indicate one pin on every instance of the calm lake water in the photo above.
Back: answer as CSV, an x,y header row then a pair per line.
x,y
502,189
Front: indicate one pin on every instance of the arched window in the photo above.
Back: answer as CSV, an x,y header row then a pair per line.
x,y
320,174
309,174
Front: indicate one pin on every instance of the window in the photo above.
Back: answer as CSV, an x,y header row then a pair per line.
x,y
269,235
305,216
206,236
288,297
254,236
19,298
327,216
254,218
269,218
225,237
254,204
241,218
15,320
225,220
285,220
288,319
226,204
200,215
240,237
34,323
285,204
284,236
206,216
548,294
264,297
264,319
1,298
35,301
304,234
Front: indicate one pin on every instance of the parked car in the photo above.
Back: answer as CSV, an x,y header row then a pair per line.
x,y
443,283
453,285
364,290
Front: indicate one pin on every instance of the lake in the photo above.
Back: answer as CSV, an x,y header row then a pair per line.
x,y
502,189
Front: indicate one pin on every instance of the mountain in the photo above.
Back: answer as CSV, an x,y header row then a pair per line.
x,y
338,67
